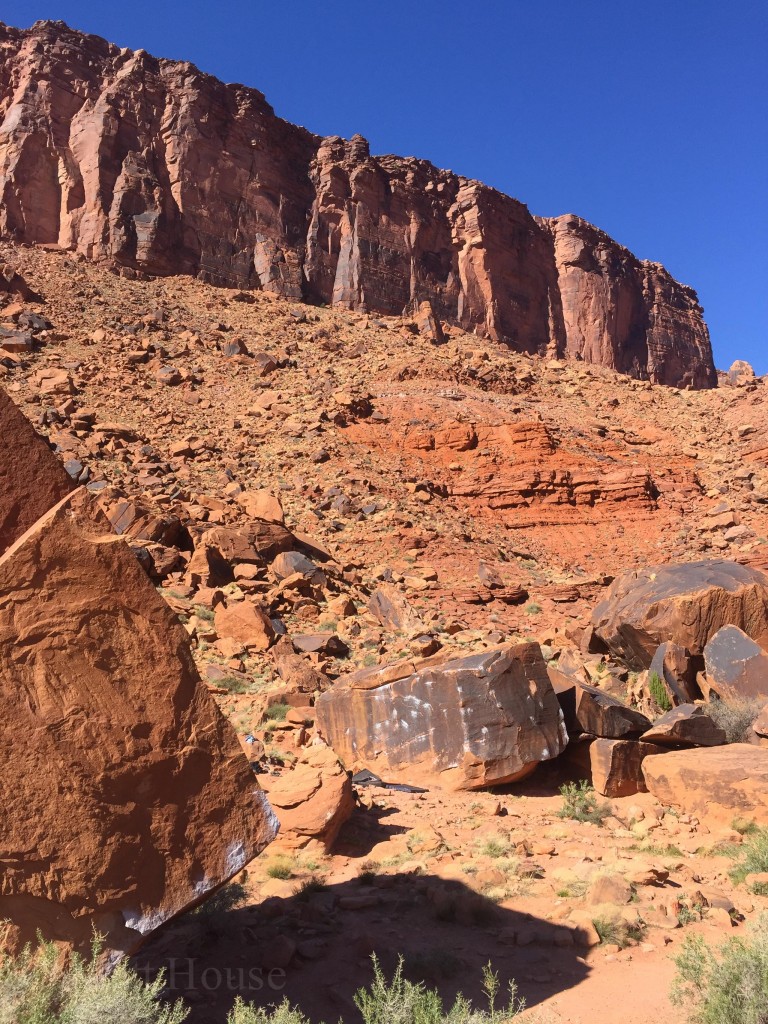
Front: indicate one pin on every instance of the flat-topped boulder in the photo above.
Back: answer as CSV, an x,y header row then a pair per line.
x,y
685,603
127,798
32,479
688,725
458,723
715,784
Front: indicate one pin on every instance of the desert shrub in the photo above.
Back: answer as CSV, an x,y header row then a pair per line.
x,y
580,802
223,900
38,988
277,712
753,855
734,717
727,986
281,868
619,932
658,692
283,1013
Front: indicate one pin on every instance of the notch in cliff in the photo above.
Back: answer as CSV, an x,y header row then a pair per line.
x,y
161,169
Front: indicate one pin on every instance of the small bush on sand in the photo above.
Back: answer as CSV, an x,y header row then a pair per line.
x,y
734,717
37,988
580,802
753,857
727,986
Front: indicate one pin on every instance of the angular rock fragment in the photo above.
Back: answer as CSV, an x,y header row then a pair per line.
x,y
685,603
32,480
460,723
617,766
394,611
687,725
126,796
600,714
715,784
737,667
245,622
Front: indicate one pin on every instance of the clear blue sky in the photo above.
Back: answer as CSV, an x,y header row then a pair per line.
x,y
648,119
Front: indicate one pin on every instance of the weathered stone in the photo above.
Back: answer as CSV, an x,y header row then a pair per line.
x,y
686,725
617,766
716,784
685,603
760,725
394,611
262,505
737,667
32,480
245,622
312,801
600,714
289,563
315,218
127,798
740,373
460,723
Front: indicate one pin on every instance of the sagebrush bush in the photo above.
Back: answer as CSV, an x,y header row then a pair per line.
x,y
580,802
37,988
753,855
658,692
735,717
727,986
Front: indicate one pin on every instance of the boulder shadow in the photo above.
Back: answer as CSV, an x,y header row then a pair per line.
x,y
314,947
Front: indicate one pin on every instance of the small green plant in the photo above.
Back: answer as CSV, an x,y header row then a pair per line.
x,y
532,608
580,803
744,826
616,931
280,868
573,890
277,712
495,846
283,1013
658,849
734,717
309,887
727,986
38,988
753,856
233,684
203,613
658,692
224,899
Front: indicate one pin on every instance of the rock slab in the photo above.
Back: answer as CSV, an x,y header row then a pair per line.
x,y
126,798
461,723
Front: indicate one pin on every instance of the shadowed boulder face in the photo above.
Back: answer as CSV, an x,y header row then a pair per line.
x,y
685,603
462,723
32,479
127,797
162,169
737,667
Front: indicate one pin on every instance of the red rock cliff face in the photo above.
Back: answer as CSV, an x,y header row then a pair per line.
x,y
159,168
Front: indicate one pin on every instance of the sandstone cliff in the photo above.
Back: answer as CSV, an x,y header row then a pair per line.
x,y
161,169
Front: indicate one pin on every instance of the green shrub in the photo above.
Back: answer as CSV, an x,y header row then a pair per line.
x,y
224,899
727,986
580,803
277,712
734,717
618,932
283,1013
36,988
280,868
658,692
753,855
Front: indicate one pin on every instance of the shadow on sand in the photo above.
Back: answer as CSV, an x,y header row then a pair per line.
x,y
314,947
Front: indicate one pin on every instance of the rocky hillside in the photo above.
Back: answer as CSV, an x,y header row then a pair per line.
x,y
161,169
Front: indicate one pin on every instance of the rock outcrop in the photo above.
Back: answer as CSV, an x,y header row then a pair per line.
x,y
126,796
718,783
32,479
161,169
685,603
460,723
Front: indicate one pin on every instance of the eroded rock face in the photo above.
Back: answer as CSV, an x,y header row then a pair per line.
x,y
127,797
157,167
462,723
32,479
737,667
717,783
686,603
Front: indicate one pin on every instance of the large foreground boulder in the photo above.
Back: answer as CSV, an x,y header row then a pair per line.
x,y
685,603
714,783
126,796
32,479
460,723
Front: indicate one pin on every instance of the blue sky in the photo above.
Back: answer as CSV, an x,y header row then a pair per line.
x,y
648,119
